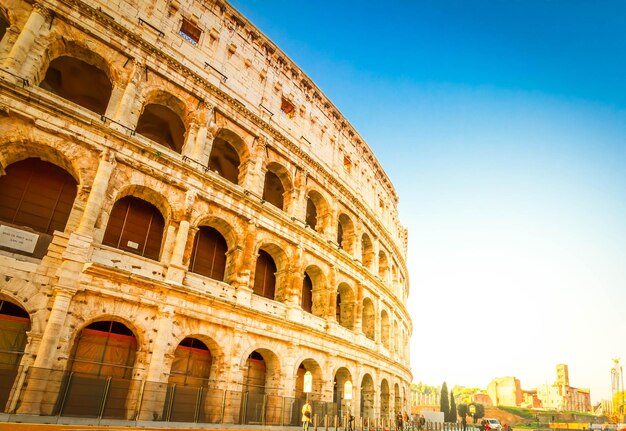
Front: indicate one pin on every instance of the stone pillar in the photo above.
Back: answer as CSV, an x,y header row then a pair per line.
x,y
243,267
375,256
331,295
190,139
97,194
256,172
298,208
26,39
358,310
294,290
175,269
47,353
123,112
199,149
159,366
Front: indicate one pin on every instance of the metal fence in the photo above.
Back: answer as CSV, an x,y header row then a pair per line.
x,y
56,394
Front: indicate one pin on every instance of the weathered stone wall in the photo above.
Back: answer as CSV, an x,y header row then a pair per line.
x,y
231,84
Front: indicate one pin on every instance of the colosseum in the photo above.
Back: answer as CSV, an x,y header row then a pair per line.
x,y
190,231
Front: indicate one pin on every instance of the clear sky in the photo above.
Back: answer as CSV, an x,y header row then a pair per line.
x,y
502,125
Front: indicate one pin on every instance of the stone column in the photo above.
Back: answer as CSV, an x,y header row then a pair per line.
x,y
358,310
243,268
199,146
375,256
26,39
175,269
97,194
331,294
159,366
123,112
47,353
298,197
256,175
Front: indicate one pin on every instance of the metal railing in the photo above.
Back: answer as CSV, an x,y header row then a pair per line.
x,y
56,394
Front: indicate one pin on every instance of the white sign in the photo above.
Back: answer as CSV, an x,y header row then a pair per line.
x,y
18,239
308,382
347,390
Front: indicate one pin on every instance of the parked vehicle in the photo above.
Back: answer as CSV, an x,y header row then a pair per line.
x,y
493,424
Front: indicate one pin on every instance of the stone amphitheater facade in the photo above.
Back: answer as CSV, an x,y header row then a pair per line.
x,y
182,209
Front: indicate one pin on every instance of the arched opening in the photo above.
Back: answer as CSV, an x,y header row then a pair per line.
x,y
317,213
367,397
314,396
345,306
14,326
188,382
384,328
265,275
224,160
367,251
135,226
341,377
383,265
307,294
345,233
100,371
261,382
162,125
4,24
319,298
273,190
311,214
38,195
384,399
369,319
79,82
208,256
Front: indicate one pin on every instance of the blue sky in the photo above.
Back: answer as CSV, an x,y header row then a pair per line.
x,y
502,125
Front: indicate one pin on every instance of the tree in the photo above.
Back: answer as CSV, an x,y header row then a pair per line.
x,y
462,410
452,408
479,411
444,403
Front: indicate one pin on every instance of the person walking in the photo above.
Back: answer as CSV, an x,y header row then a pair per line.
x,y
464,423
307,415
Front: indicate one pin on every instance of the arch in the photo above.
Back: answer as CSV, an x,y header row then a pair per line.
x,y
136,226
384,328
262,378
318,283
265,275
384,399
102,359
369,319
309,364
14,326
5,23
317,211
276,186
342,375
367,251
208,255
227,152
383,265
188,379
345,233
345,306
37,194
306,297
367,397
163,125
84,81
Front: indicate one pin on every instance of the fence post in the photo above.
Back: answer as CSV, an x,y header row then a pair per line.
x,y
104,398
223,407
67,388
263,407
326,422
170,403
198,402
140,400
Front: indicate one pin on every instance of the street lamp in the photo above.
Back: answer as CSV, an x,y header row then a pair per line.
x,y
308,384
347,395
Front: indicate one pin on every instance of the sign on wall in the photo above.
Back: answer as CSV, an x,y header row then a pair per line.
x,y
17,239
